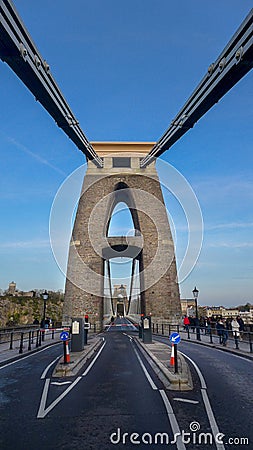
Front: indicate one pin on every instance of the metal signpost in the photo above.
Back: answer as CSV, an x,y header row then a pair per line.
x,y
175,339
64,336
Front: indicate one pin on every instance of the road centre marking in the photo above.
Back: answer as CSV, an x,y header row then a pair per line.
x,y
93,361
151,382
44,411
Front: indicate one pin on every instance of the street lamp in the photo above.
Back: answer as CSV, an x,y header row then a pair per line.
x,y
45,297
195,296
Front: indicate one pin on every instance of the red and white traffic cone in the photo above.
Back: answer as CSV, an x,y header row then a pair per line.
x,y
172,356
66,353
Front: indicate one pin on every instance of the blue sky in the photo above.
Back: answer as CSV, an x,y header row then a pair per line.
x,y
126,68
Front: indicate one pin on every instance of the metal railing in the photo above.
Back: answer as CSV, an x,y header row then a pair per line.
x,y
29,337
242,340
26,339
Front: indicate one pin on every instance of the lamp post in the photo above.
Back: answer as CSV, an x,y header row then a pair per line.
x,y
195,296
45,297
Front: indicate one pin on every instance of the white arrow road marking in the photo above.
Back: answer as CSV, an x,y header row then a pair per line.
x,y
43,411
60,383
186,400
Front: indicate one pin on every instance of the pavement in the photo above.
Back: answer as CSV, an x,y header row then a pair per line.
x,y
243,350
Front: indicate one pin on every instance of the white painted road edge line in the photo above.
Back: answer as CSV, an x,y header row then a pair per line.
x,y
173,421
209,411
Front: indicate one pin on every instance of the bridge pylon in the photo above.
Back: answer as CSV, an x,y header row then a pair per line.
x,y
121,180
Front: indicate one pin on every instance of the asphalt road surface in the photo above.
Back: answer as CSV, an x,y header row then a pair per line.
x,y
117,401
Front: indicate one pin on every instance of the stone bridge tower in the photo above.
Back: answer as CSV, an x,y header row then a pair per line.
x,y
121,180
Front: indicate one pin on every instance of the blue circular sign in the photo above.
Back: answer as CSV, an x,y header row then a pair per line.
x,y
64,335
175,338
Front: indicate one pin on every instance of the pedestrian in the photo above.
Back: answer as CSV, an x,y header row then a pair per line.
x,y
193,323
225,333
220,327
235,328
186,323
241,326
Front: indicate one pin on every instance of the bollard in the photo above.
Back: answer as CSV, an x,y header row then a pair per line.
x,y
162,329
29,341
32,337
94,327
53,333
11,341
37,338
250,343
211,336
172,356
236,340
66,352
157,328
188,332
40,338
21,342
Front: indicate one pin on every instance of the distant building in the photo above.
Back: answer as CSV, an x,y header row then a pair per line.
x,y
12,288
120,299
247,316
220,311
188,307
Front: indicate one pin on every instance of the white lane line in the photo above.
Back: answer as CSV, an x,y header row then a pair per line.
x,y
151,382
48,367
93,361
209,411
173,421
29,356
185,400
44,411
43,399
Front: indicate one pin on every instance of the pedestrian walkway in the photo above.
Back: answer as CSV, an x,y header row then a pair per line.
x,y
8,355
241,347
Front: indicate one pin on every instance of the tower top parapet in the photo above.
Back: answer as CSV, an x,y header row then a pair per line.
x,y
122,148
